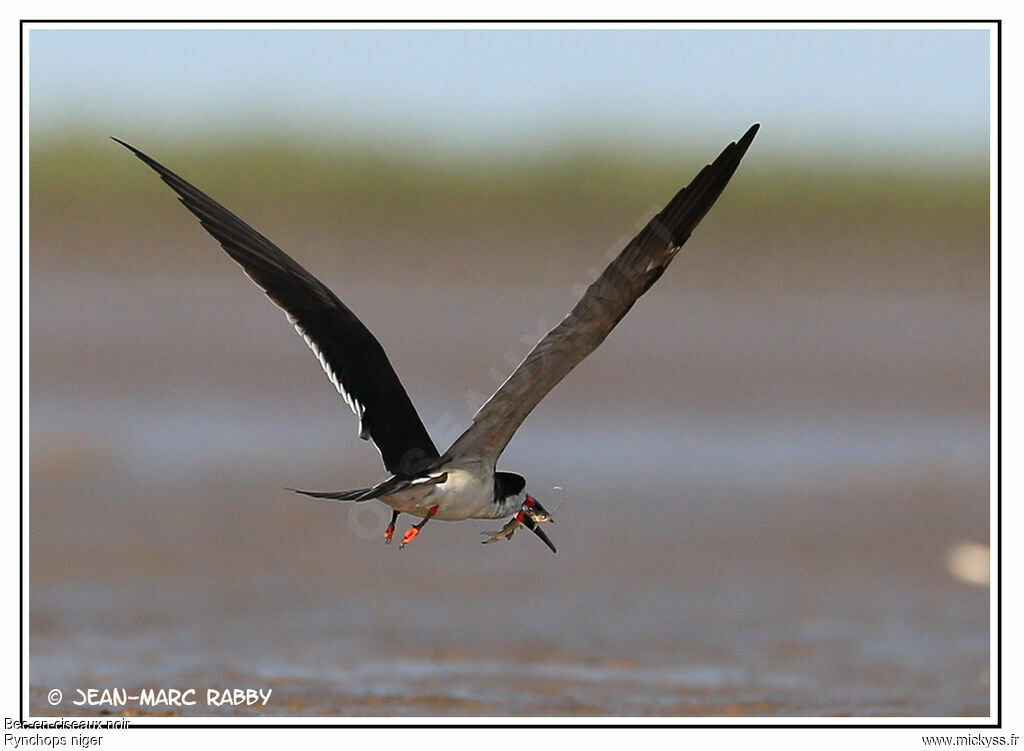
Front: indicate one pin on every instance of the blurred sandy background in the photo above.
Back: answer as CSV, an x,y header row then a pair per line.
x,y
768,467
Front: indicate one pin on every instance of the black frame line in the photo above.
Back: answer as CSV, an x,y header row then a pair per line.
x,y
997,724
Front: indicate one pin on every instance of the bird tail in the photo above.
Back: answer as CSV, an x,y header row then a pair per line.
x,y
386,487
359,494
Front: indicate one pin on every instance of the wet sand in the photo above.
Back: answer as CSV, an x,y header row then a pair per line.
x,y
763,481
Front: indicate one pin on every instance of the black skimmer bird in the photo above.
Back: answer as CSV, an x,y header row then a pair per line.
x,y
463,482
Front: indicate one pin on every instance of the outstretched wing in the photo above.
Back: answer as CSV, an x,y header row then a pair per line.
x,y
602,306
352,358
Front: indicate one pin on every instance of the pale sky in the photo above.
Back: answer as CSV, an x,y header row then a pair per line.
x,y
869,91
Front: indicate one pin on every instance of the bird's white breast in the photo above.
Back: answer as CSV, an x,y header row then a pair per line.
x,y
463,495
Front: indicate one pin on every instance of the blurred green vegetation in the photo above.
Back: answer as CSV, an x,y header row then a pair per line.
x,y
86,173
88,186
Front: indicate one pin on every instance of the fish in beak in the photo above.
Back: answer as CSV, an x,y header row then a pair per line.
x,y
537,512
505,533
531,515
528,522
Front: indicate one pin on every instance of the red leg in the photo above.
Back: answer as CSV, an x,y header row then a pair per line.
x,y
390,531
415,530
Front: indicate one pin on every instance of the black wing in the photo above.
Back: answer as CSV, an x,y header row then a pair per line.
x,y
640,264
352,358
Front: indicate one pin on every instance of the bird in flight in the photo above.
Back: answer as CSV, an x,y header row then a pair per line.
x,y
463,482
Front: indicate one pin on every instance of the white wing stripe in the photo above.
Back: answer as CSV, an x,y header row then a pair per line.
x,y
353,403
